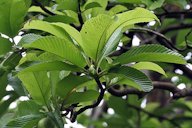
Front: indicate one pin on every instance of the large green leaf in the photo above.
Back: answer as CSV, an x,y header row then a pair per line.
x,y
38,86
149,66
78,97
5,46
50,66
61,47
68,84
137,76
157,53
12,15
103,32
94,33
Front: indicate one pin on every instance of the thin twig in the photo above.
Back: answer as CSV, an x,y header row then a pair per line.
x,y
43,8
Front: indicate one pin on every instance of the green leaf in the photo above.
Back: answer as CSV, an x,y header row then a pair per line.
x,y
38,86
78,97
68,84
94,33
103,32
12,15
152,52
67,5
5,46
11,61
50,66
129,1
152,5
92,5
95,3
73,33
118,8
4,105
47,27
137,76
149,66
60,18
29,38
60,47
22,121
28,108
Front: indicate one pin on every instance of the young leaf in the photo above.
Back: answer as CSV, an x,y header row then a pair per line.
x,y
137,76
61,47
94,33
38,86
154,53
149,66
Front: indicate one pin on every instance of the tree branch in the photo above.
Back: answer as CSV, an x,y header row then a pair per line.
x,y
99,99
178,14
177,93
154,115
176,27
43,8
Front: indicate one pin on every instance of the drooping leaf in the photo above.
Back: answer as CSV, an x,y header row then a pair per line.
x,y
38,86
149,66
60,47
73,33
137,76
78,97
47,27
5,46
12,15
22,121
154,53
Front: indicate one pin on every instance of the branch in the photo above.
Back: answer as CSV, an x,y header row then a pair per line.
x,y
167,42
176,27
99,99
185,14
43,8
154,115
177,93
186,71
